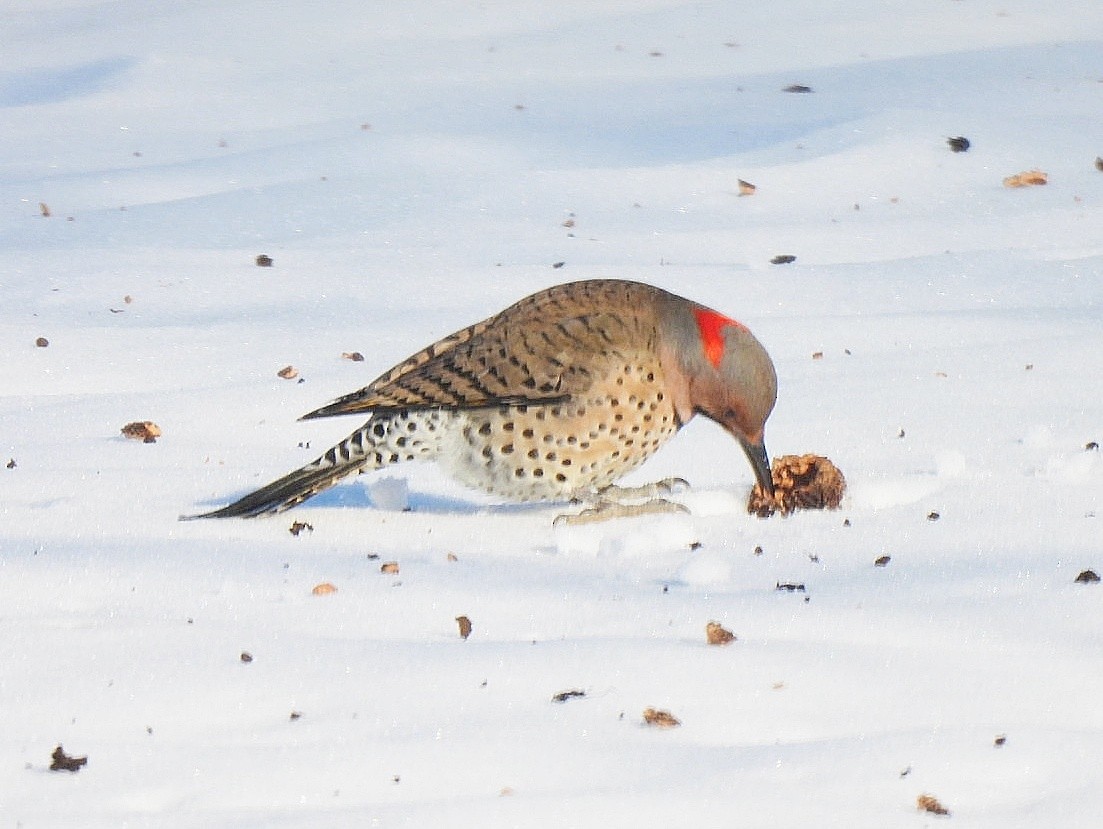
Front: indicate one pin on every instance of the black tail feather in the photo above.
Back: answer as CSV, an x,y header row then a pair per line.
x,y
283,494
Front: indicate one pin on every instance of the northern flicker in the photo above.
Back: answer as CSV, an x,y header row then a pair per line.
x,y
555,398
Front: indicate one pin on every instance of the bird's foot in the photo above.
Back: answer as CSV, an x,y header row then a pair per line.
x,y
622,494
628,502
609,510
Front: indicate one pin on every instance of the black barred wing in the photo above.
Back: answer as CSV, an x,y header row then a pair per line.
x,y
542,350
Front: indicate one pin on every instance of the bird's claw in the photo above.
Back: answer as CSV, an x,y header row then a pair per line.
x,y
673,486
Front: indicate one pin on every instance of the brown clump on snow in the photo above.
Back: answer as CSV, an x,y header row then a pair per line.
x,y
1026,179
144,430
930,803
60,761
800,482
717,634
660,719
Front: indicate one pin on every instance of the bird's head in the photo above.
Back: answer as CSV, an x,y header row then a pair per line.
x,y
726,375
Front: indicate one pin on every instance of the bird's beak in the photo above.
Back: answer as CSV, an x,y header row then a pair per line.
x,y
760,463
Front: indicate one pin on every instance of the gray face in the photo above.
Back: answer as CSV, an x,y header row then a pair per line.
x,y
748,374
724,374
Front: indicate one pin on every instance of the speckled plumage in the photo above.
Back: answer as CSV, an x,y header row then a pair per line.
x,y
556,397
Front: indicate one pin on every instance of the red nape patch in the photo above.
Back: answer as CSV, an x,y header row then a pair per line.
x,y
711,325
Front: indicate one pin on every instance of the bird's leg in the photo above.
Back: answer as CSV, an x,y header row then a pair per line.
x,y
613,502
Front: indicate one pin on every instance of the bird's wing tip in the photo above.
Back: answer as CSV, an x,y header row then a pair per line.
x,y
332,410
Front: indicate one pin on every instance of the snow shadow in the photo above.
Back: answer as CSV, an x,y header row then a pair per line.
x,y
30,87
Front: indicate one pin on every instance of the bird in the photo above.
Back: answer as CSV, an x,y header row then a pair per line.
x,y
555,398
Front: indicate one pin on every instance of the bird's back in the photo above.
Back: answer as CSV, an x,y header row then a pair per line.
x,y
541,350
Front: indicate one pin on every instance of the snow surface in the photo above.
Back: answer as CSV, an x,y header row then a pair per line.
x,y
409,167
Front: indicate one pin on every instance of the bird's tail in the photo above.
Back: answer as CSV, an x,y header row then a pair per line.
x,y
346,458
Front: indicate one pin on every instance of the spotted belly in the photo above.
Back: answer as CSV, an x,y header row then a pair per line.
x,y
564,450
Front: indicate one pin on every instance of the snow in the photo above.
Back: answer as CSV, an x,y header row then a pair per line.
x,y
409,168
